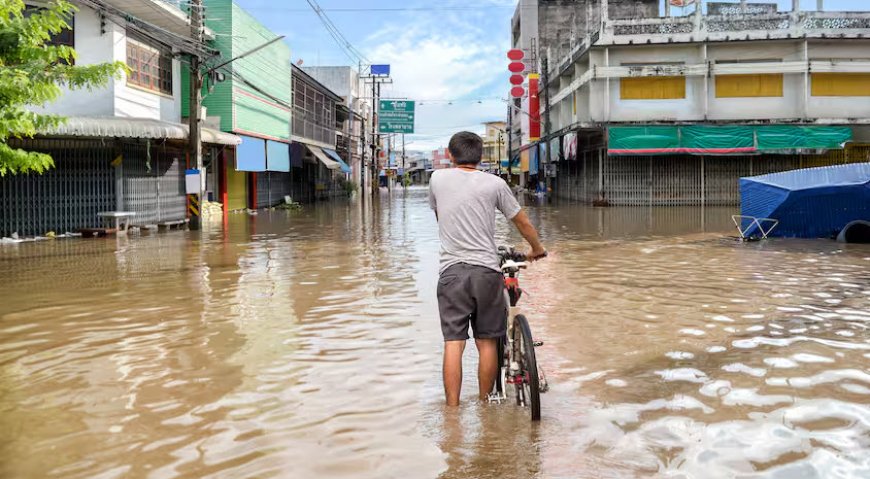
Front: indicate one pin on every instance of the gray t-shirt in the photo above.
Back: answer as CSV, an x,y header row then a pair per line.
x,y
465,202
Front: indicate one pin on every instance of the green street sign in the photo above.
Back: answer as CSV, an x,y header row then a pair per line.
x,y
395,116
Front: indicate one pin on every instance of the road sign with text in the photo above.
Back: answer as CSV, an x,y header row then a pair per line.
x,y
395,116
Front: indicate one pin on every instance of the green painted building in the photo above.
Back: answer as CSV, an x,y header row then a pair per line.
x,y
255,102
255,99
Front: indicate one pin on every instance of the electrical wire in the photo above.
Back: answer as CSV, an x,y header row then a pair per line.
x,y
352,52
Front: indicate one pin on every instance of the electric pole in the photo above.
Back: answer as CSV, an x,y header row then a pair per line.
x,y
195,141
546,77
404,183
498,152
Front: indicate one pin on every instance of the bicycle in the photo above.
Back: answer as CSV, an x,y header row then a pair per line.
x,y
516,350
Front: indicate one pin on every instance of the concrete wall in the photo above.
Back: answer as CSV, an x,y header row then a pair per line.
x,y
633,9
832,106
595,104
689,108
92,48
116,99
788,106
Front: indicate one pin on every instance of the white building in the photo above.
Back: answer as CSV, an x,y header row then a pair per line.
x,y
123,146
651,108
345,82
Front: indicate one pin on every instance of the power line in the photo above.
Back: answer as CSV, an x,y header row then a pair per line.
x,y
352,52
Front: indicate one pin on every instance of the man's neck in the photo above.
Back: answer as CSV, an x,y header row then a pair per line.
x,y
467,167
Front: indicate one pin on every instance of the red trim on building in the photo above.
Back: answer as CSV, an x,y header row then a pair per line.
x,y
693,151
261,136
255,97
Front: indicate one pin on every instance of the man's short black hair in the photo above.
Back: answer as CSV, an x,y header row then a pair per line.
x,y
466,148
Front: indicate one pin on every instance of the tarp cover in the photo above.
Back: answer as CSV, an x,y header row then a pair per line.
x,y
723,140
811,202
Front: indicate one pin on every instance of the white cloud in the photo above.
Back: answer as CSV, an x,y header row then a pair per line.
x,y
444,57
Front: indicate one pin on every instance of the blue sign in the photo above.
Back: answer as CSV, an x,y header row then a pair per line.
x,y
381,70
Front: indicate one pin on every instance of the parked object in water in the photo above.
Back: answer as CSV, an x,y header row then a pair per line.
x,y
808,203
855,232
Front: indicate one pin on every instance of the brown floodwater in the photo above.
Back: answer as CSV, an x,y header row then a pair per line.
x,y
307,345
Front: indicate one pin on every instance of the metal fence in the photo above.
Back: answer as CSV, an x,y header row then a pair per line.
x,y
679,180
63,199
272,187
153,182
87,179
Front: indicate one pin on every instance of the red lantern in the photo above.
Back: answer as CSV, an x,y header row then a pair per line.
x,y
517,67
517,79
518,92
515,54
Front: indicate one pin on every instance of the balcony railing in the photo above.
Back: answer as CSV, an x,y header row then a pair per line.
x,y
715,28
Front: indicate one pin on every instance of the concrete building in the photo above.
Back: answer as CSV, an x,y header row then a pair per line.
x,y
346,83
495,146
650,108
319,116
253,101
123,147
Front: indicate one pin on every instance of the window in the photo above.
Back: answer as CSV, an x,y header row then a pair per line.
x,y
652,88
748,86
840,84
66,37
150,68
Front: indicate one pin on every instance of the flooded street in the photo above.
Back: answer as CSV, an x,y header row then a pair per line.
x,y
307,345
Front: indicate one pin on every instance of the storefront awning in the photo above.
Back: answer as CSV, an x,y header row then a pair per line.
x,y
251,155
114,127
323,158
332,154
724,140
277,156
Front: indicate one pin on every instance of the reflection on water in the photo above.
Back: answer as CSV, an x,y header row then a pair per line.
x,y
307,345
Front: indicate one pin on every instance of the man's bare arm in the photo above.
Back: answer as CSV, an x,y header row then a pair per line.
x,y
521,221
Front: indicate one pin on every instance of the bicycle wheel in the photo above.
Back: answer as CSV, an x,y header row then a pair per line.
x,y
526,381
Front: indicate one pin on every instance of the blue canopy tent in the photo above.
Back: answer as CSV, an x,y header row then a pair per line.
x,y
808,203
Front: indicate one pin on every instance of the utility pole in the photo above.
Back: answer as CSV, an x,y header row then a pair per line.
x,y
376,81
546,78
195,141
498,152
510,140
404,183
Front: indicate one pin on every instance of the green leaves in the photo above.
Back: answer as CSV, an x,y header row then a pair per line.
x,y
33,72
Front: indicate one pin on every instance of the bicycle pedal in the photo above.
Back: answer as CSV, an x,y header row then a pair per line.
x,y
537,343
495,398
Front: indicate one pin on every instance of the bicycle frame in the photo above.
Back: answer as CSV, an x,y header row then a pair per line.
x,y
512,294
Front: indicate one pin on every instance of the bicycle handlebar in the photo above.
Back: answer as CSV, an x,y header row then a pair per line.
x,y
511,254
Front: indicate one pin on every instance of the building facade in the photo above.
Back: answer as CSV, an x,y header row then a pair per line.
x,y
252,99
320,116
642,107
346,83
123,147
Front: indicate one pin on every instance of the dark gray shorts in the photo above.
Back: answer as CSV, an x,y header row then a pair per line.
x,y
474,295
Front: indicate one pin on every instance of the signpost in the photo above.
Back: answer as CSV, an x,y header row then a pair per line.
x,y
395,116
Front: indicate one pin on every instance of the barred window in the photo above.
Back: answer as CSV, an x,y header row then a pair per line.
x,y
150,67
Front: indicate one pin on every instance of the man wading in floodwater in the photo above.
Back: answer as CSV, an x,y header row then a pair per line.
x,y
471,286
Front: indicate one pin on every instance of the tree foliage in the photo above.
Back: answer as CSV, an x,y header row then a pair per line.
x,y
33,73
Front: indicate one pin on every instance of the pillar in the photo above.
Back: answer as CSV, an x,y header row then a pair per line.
x,y
820,5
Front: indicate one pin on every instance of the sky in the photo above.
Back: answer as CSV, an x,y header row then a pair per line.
x,y
447,55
